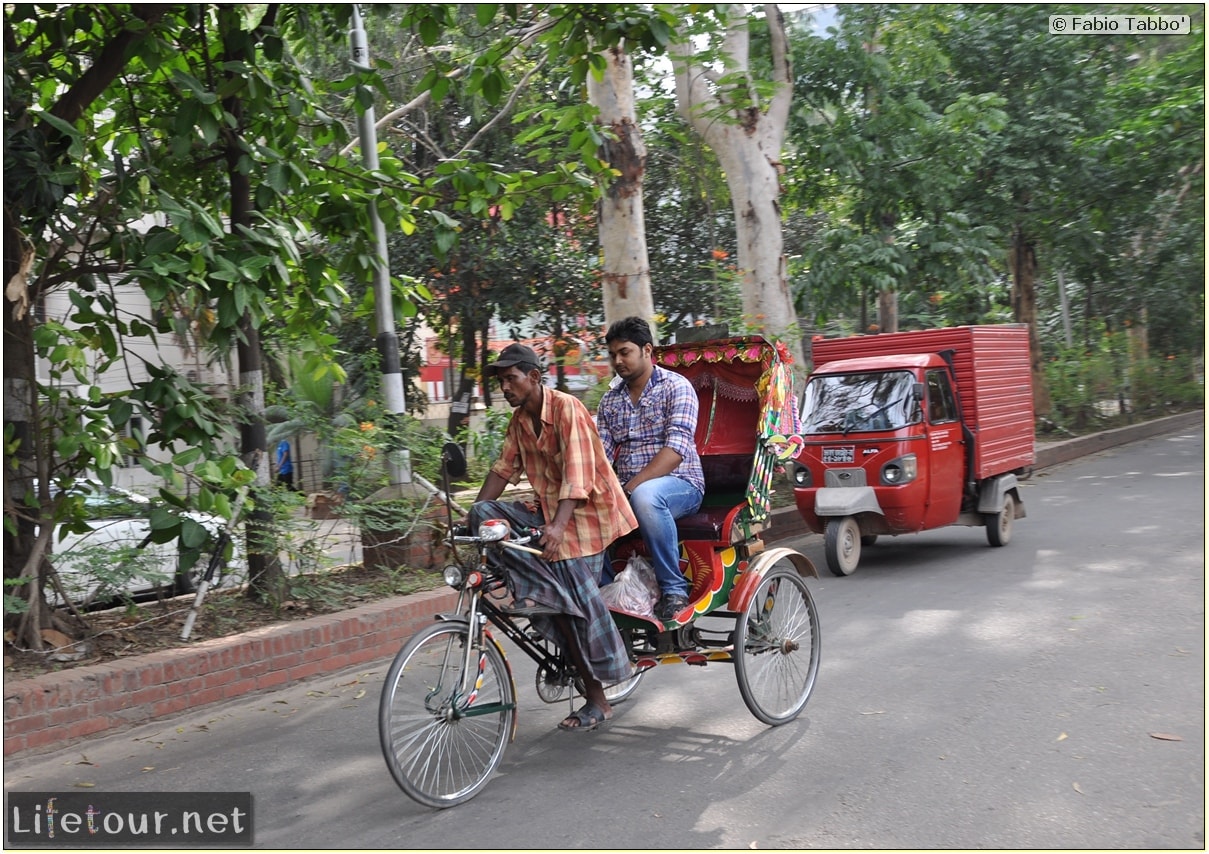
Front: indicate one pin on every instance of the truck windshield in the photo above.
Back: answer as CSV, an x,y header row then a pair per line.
x,y
844,403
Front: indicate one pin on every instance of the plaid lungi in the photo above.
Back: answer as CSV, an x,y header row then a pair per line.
x,y
568,586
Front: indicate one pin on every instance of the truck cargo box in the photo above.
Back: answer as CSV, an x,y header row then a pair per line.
x,y
994,381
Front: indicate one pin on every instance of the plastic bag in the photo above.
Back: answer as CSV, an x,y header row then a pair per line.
x,y
635,588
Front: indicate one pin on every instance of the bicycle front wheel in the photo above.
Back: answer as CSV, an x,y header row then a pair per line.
x,y
443,735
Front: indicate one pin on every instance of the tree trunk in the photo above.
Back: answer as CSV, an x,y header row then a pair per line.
x,y
626,280
748,147
1023,263
887,300
558,353
485,358
21,559
266,581
459,405
887,311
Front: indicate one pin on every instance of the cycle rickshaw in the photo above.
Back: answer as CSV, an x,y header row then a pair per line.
x,y
448,706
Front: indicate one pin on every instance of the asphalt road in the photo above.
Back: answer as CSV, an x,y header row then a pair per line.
x,y
1049,694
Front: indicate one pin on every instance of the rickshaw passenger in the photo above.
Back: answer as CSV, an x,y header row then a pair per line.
x,y
647,421
579,507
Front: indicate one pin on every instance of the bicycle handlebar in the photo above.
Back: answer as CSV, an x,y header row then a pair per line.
x,y
461,536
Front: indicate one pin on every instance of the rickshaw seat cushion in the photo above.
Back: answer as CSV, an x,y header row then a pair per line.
x,y
705,524
726,480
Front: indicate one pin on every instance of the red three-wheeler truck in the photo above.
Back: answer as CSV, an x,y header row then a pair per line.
x,y
908,431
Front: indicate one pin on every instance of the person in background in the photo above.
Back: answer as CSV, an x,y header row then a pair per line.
x,y
580,509
285,465
647,421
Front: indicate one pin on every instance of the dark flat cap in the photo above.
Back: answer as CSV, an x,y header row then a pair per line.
x,y
513,354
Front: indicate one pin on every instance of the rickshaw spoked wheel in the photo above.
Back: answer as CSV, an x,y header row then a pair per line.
x,y
776,651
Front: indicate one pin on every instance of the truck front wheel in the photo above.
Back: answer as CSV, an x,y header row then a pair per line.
x,y
842,545
999,525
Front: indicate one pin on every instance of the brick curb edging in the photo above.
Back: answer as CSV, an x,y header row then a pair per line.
x,y
56,709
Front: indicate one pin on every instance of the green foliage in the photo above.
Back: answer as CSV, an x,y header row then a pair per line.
x,y
883,151
95,573
1115,381
14,604
930,140
486,444
688,216
1163,383
924,139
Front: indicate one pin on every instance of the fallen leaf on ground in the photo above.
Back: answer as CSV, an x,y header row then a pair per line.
x,y
84,785
1075,786
359,694
1166,736
1062,737
55,638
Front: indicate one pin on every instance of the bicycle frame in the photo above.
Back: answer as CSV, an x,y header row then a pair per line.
x,y
476,609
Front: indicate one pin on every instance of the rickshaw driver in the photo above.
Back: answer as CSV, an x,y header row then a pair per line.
x,y
580,508
647,421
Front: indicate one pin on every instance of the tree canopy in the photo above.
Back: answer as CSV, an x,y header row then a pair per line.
x,y
939,165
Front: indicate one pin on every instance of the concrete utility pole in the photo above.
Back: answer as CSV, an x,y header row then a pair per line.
x,y
387,340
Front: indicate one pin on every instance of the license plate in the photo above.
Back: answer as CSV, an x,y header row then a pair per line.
x,y
839,455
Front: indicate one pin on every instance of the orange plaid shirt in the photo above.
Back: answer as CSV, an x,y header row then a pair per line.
x,y
568,461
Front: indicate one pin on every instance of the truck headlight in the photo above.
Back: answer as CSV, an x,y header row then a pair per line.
x,y
900,470
801,476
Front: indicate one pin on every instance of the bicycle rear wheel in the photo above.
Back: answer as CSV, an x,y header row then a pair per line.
x,y
777,647
442,739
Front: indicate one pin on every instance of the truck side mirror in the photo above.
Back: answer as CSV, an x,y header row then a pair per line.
x,y
917,391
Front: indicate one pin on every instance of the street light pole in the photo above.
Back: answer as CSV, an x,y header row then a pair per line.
x,y
387,340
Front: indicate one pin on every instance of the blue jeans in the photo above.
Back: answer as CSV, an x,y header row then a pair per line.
x,y
658,504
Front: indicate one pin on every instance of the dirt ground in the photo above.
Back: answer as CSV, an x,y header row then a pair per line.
x,y
153,626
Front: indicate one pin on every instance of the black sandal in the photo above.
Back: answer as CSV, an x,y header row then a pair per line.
x,y
587,719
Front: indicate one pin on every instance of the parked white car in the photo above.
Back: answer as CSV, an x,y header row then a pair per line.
x,y
116,558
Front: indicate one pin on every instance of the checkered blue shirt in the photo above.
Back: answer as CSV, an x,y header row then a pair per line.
x,y
666,416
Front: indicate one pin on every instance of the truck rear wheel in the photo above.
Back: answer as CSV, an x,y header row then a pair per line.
x,y
842,545
999,525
